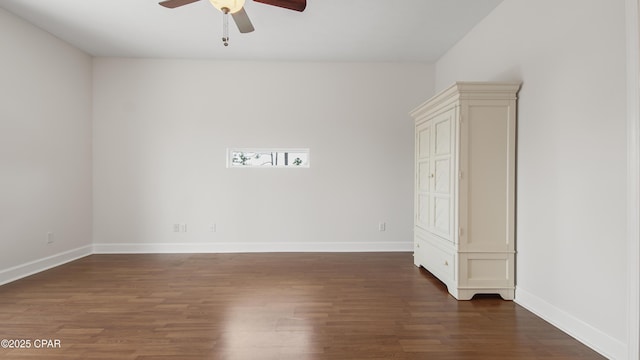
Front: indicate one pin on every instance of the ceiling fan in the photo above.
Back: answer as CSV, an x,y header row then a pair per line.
x,y
236,9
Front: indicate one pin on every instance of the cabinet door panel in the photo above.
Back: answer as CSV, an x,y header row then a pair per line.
x,y
443,134
423,176
423,171
442,176
442,216
423,211
424,141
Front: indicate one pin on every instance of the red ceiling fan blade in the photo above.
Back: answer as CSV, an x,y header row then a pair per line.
x,y
171,4
297,5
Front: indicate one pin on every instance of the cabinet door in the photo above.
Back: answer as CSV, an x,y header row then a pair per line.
x,y
423,171
434,174
441,174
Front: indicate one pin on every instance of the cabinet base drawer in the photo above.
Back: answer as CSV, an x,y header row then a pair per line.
x,y
435,259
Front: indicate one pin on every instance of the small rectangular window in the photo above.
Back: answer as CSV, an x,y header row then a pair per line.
x,y
267,158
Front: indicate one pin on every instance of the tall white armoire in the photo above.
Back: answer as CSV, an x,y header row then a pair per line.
x,y
465,162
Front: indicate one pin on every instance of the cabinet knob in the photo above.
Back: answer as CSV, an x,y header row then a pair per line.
x,y
446,263
432,176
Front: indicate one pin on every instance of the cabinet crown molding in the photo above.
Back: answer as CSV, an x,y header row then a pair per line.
x,y
467,90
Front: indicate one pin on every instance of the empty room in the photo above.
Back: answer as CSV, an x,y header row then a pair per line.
x,y
319,179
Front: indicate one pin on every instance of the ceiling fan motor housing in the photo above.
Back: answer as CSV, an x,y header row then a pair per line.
x,y
228,6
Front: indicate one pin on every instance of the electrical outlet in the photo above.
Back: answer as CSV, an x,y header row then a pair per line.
x,y
382,226
176,227
50,238
183,227
212,228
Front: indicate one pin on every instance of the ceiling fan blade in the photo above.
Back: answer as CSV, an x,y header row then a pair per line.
x,y
297,5
171,4
242,20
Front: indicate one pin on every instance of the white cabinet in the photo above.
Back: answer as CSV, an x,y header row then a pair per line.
x,y
465,188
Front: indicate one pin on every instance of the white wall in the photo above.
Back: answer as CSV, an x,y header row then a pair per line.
x,y
161,129
45,149
570,57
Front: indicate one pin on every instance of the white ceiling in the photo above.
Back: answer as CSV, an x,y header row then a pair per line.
x,y
328,30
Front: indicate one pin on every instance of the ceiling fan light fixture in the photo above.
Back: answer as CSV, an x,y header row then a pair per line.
x,y
236,9
228,6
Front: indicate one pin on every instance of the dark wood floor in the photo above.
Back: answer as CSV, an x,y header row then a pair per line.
x,y
265,306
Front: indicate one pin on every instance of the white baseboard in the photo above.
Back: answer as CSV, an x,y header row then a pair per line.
x,y
140,248
590,336
36,266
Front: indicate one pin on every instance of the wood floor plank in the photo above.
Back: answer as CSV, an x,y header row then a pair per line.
x,y
265,306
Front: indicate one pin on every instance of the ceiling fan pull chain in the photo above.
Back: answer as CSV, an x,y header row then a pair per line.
x,y
225,27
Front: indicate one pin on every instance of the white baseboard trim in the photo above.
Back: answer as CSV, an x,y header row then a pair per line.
x,y
36,266
255,247
597,340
